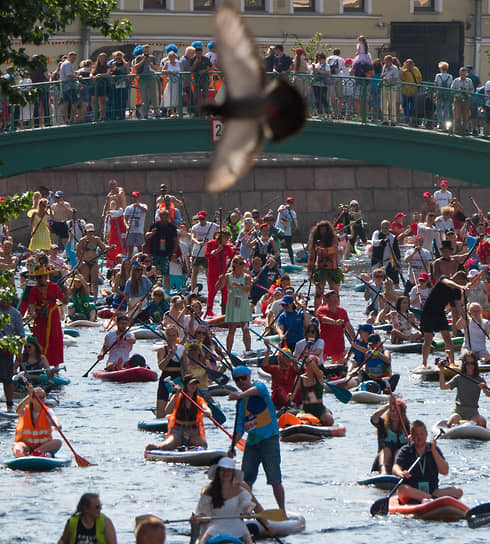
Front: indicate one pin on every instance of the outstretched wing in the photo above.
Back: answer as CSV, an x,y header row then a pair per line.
x,y
237,55
242,140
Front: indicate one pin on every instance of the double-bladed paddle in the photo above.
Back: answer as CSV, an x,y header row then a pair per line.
x,y
381,506
478,515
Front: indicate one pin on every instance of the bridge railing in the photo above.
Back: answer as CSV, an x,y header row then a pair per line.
x,y
167,95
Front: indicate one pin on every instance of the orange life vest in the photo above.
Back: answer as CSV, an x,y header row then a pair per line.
x,y
172,418
170,209
33,435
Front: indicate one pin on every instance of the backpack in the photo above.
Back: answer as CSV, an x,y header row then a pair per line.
x,y
444,84
334,67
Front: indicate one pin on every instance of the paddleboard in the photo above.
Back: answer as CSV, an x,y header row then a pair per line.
x,y
428,374
84,323
441,509
291,268
387,327
309,433
143,333
126,375
197,457
221,390
366,397
68,341
416,347
381,481
466,429
154,425
71,332
36,464
8,415
293,525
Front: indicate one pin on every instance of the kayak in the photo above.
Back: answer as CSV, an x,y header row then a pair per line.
x,y
310,433
84,323
154,425
293,525
360,288
8,415
126,375
366,397
381,481
36,464
291,268
221,390
466,429
197,457
441,509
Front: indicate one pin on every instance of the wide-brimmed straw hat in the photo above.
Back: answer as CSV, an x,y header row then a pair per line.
x,y
40,270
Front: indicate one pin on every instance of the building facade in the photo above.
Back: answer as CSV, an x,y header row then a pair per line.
x,y
428,31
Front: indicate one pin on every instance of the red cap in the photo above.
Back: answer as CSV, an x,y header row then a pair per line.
x,y
424,276
264,225
426,194
289,199
339,226
202,214
135,193
300,51
443,182
400,214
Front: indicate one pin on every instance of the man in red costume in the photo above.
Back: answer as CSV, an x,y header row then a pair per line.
x,y
43,307
219,253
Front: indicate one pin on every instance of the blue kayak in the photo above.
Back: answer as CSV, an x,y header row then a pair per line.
x,y
36,464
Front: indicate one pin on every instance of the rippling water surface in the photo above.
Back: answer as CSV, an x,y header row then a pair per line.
x,y
100,420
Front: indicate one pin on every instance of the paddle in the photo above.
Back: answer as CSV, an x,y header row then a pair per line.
x,y
456,371
81,461
240,444
478,515
381,506
271,515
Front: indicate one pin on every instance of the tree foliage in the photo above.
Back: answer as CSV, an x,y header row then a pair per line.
x,y
10,208
35,21
314,44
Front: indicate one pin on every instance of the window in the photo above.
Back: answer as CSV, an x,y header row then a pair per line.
x,y
155,4
254,5
203,5
353,5
424,5
303,5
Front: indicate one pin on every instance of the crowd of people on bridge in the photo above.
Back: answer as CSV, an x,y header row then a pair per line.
x,y
359,87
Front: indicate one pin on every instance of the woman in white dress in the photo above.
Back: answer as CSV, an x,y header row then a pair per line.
x,y
224,496
171,93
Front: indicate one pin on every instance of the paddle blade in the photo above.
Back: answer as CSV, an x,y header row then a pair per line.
x,y
241,444
478,521
235,360
380,507
82,462
274,514
479,510
340,393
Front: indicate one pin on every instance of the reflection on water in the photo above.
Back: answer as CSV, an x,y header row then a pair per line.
x,y
100,420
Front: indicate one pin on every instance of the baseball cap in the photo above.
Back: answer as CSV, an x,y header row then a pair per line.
x,y
287,299
400,214
426,194
329,293
339,226
469,67
135,193
374,339
353,203
366,327
472,273
202,214
424,276
289,199
443,182
89,227
58,194
241,369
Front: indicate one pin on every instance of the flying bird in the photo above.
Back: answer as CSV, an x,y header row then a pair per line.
x,y
252,110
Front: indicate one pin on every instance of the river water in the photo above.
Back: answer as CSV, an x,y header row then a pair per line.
x,y
100,420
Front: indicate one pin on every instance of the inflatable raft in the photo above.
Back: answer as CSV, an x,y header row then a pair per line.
x,y
381,481
310,433
197,457
441,509
126,375
293,525
36,464
465,430
154,425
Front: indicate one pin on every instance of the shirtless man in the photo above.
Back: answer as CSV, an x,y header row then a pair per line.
x,y
163,193
87,257
115,193
61,212
448,263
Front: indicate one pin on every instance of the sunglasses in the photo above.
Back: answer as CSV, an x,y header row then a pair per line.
x,y
240,378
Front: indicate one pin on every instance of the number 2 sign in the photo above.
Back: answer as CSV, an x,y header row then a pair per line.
x,y
217,127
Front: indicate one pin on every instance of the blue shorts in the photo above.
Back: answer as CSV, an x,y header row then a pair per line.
x,y
70,96
162,263
266,452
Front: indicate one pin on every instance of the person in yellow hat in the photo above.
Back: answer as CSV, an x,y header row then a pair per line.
x,y
44,309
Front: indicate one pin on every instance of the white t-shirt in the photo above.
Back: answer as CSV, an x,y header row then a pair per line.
x,y
285,218
121,350
300,346
135,217
203,234
430,234
442,198
417,301
416,264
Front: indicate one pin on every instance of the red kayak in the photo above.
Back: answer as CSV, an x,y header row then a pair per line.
x,y
126,375
441,509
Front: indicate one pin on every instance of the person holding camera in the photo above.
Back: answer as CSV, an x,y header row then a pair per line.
x,y
146,66
200,65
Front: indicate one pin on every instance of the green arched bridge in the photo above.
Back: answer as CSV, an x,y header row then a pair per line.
x,y
458,157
